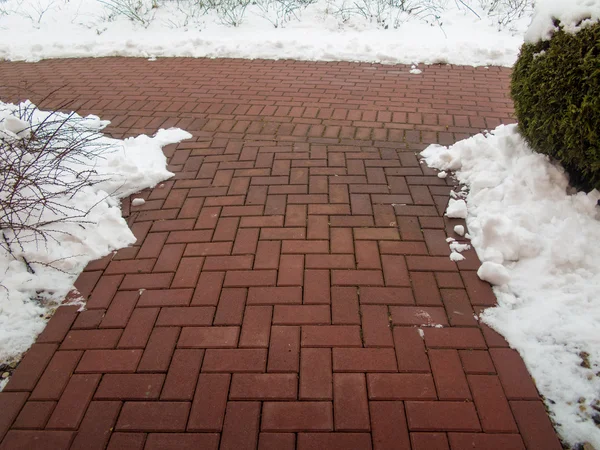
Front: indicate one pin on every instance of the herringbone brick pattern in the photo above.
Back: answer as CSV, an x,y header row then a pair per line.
x,y
290,287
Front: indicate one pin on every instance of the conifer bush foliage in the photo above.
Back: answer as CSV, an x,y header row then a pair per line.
x,y
556,91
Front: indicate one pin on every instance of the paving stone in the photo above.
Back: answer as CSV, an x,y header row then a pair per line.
x,y
291,278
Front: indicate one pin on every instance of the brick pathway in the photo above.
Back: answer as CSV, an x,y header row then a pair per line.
x,y
280,281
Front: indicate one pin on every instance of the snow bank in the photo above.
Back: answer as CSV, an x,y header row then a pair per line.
x,y
80,28
126,166
539,245
572,14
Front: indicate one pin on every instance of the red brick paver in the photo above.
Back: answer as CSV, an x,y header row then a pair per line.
x,y
290,286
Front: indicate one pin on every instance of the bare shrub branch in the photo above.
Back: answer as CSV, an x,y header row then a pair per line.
x,y
42,167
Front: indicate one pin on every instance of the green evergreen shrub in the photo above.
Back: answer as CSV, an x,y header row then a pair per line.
x,y
556,91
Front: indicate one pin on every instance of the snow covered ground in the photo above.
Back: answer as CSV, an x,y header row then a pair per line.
x,y
36,275
538,242
442,31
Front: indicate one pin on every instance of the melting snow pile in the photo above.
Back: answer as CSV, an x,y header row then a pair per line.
x,y
540,248
38,271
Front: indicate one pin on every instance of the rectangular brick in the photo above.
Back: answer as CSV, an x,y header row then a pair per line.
x,y
183,441
153,416
107,361
431,263
410,350
157,355
301,315
248,278
388,426
364,360
169,258
263,386
208,289
458,307
449,376
400,386
139,327
441,416
226,229
477,362
350,405
454,338
376,330
315,374
208,337
185,316
402,248
210,401
329,262
208,217
240,430
246,241
316,441
386,296
230,310
182,376
316,287
165,297
235,360
222,263
425,289
130,386
342,241
356,278
395,272
208,249
284,349
120,310
305,247
487,441
267,255
331,336
291,270
37,439
367,255
274,295
376,234
147,281
344,306
91,339
418,315
297,416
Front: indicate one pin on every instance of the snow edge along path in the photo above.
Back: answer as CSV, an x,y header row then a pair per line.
x,y
540,246
125,167
79,28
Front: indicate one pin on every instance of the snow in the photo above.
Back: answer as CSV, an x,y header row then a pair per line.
x,y
455,256
573,15
457,209
123,167
322,31
493,273
539,246
459,229
137,202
